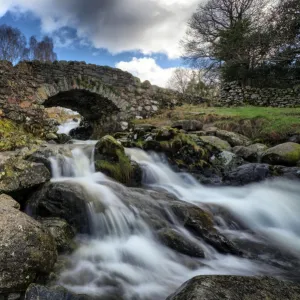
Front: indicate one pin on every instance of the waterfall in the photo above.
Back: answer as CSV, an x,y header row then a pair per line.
x,y
123,259
68,126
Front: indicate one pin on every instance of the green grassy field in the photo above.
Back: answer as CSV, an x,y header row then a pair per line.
x,y
259,123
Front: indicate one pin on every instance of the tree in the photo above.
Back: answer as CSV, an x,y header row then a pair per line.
x,y
12,44
227,32
42,51
192,82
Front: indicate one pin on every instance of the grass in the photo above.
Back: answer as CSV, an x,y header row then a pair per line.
x,y
266,124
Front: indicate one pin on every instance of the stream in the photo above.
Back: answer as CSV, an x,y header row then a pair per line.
x,y
124,259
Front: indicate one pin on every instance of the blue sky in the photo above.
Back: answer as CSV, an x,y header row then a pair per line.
x,y
139,36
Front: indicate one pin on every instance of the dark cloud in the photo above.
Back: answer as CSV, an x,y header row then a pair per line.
x,y
118,25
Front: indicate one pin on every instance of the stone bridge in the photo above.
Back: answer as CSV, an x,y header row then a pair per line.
x,y
104,96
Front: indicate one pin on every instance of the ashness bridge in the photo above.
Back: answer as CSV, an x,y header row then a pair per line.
x,y
104,96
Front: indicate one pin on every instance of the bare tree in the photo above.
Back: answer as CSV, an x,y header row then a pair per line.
x,y
12,44
179,80
42,51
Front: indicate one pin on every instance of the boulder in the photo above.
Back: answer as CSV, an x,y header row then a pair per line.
x,y
234,139
236,288
250,153
200,223
176,241
226,161
44,153
66,200
248,173
216,142
188,125
287,154
62,232
36,292
27,250
18,176
110,158
8,201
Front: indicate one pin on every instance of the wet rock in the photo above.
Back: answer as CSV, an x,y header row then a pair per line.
x,y
200,223
188,125
216,142
65,200
63,138
234,139
82,133
107,147
176,241
45,153
236,288
27,250
35,292
286,154
248,173
18,176
250,153
62,232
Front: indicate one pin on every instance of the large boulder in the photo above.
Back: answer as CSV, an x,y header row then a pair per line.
x,y
248,173
111,159
286,154
226,161
27,249
250,153
18,176
66,200
200,223
236,288
176,241
188,125
62,232
39,292
216,142
234,139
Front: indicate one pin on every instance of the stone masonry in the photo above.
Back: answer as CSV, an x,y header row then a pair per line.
x,y
232,94
102,95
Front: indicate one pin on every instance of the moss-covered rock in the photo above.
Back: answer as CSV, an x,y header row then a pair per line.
x,y
250,153
234,139
18,176
286,154
110,158
13,136
216,142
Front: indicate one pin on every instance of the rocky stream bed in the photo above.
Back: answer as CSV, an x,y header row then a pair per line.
x,y
179,212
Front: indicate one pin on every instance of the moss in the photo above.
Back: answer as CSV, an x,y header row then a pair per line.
x,y
121,170
13,136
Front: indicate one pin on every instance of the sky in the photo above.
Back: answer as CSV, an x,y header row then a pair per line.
x,y
138,36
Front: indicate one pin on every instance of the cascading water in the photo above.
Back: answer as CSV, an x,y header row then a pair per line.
x,y
123,259
68,126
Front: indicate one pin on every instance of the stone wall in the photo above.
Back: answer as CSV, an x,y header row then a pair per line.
x,y
233,94
97,92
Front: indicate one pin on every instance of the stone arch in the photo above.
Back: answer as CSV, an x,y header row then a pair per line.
x,y
97,103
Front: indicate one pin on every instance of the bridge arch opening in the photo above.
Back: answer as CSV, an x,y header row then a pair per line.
x,y
98,114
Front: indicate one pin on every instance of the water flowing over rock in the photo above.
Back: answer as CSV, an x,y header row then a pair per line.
x,y
26,250
64,200
236,288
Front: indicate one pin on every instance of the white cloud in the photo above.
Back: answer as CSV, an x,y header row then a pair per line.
x,y
149,26
147,69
